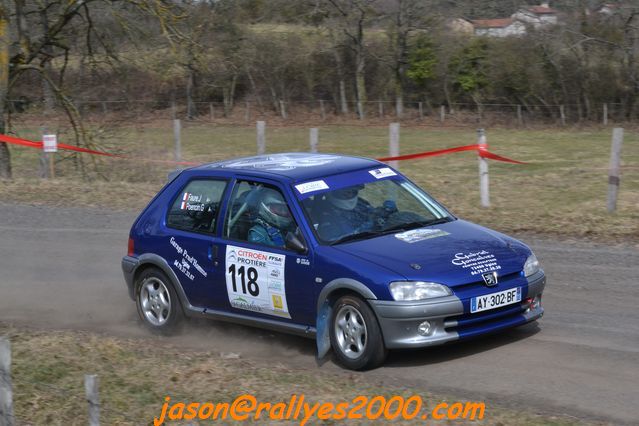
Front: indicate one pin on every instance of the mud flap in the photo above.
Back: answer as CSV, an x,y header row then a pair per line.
x,y
323,338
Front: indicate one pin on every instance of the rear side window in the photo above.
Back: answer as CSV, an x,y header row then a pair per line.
x,y
196,207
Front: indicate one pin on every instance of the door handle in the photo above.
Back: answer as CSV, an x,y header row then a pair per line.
x,y
213,251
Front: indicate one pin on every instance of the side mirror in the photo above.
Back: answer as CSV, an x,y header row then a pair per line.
x,y
295,243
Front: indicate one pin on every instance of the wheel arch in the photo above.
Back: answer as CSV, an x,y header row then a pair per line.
x,y
327,297
151,260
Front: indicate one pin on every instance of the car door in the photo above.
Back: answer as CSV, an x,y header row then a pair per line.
x,y
191,244
264,278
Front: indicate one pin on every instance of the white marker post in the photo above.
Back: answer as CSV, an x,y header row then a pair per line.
x,y
50,147
393,143
261,137
615,163
177,136
483,170
6,391
314,139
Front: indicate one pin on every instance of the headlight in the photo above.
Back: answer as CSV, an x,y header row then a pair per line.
x,y
531,266
417,290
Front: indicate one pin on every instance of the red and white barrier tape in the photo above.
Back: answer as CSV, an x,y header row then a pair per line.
x,y
481,149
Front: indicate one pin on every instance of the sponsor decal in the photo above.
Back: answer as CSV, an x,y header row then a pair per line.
x,y
416,235
255,281
307,187
477,262
304,262
382,173
184,265
282,161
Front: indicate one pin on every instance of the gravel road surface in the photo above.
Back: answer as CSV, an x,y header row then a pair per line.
x,y
60,268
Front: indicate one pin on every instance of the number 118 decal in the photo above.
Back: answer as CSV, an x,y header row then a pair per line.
x,y
255,281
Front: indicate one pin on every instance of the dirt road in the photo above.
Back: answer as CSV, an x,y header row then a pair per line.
x,y
60,268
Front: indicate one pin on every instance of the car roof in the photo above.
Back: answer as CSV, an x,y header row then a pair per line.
x,y
295,166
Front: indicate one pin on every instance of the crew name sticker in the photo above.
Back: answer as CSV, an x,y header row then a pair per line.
x,y
416,235
382,173
192,202
316,185
477,262
255,281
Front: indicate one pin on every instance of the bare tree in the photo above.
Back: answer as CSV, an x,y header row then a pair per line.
x,y
28,50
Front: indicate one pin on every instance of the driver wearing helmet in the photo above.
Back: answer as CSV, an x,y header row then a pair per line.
x,y
273,222
345,213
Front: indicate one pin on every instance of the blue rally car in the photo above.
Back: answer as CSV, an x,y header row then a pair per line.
x,y
342,249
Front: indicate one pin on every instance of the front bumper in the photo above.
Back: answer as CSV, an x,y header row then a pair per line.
x,y
399,321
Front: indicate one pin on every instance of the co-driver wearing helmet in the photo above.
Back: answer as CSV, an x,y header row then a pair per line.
x,y
274,221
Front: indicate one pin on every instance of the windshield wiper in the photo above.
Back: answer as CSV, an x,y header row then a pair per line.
x,y
356,236
417,224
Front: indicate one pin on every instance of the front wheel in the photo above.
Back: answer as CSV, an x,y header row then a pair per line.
x,y
355,334
157,302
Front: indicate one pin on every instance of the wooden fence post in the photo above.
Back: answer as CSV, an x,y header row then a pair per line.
x,y
520,119
605,114
442,114
177,136
93,398
322,111
261,137
380,108
314,138
421,111
562,115
6,392
483,170
393,143
613,174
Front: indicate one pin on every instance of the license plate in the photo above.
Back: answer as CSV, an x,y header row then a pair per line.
x,y
495,300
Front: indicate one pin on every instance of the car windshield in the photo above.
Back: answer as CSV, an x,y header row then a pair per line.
x,y
371,209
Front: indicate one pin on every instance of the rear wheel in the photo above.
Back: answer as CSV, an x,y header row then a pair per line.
x,y
356,338
157,302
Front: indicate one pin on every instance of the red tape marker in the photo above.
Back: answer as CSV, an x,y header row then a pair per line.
x,y
482,149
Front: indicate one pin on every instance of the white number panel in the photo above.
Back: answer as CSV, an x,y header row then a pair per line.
x,y
255,281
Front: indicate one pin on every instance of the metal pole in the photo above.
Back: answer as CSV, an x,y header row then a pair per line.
x,y
615,163
314,138
93,398
605,114
393,143
6,389
483,170
261,137
421,112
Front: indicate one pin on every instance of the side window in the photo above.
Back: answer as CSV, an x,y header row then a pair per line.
x,y
259,214
196,206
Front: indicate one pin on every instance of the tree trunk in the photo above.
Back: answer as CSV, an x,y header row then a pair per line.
x,y
360,85
5,155
190,106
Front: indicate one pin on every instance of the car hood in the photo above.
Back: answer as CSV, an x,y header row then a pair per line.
x,y
453,253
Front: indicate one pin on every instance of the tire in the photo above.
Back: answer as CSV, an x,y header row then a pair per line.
x,y
157,302
356,338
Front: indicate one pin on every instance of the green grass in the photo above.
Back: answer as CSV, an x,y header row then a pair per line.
x,y
136,375
562,191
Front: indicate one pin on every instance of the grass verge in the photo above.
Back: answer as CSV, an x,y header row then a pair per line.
x,y
561,191
136,375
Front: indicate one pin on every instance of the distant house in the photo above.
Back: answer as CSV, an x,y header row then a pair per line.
x,y
607,8
502,27
537,16
461,26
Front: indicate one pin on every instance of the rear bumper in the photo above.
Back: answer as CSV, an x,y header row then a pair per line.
x,y
399,321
